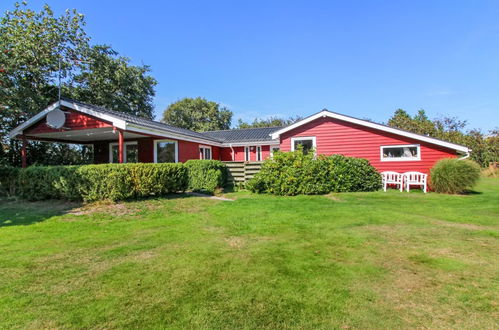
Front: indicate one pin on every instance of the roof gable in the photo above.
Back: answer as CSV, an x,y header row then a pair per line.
x,y
365,123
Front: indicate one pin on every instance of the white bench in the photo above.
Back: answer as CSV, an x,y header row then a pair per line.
x,y
390,177
415,179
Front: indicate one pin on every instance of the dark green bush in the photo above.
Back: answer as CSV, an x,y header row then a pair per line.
x,y
8,180
100,182
454,176
293,173
206,175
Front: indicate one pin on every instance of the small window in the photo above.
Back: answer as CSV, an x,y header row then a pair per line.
x,y
205,152
259,154
401,152
247,154
307,143
273,150
165,151
131,154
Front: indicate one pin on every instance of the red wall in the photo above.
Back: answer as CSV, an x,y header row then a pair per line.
x,y
226,154
338,137
74,121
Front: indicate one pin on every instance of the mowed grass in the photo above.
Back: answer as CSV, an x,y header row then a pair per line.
x,y
357,260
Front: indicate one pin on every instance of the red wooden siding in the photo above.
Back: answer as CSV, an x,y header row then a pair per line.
x,y
338,137
226,153
74,121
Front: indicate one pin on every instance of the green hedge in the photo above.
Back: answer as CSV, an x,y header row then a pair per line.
x,y
454,176
293,173
206,175
100,182
8,180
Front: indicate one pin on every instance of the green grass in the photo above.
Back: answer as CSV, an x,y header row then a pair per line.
x,y
356,260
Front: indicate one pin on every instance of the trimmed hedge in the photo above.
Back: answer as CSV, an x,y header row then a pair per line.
x,y
8,180
100,182
293,173
206,175
454,176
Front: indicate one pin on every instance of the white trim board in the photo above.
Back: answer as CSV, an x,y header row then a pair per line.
x,y
125,144
298,138
327,113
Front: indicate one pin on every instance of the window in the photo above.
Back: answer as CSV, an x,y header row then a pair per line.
x,y
259,154
204,152
307,143
247,154
400,153
130,155
165,151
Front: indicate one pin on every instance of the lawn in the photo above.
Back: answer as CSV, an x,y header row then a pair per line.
x,y
352,260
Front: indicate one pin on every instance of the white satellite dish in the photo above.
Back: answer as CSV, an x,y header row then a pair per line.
x,y
56,118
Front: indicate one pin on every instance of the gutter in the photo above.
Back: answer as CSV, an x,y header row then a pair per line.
x,y
465,156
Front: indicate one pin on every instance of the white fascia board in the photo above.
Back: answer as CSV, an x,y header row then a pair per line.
x,y
19,129
365,123
118,123
166,134
251,144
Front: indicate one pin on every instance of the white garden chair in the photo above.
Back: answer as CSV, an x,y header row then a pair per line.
x,y
390,177
415,179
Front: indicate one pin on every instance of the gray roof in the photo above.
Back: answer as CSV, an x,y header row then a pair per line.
x,y
229,136
243,135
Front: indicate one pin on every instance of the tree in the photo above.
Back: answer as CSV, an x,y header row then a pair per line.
x,y
109,80
33,45
273,121
484,148
197,114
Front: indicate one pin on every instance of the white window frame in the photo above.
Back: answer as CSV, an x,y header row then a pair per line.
x,y
112,144
247,154
299,138
258,153
400,159
205,147
156,149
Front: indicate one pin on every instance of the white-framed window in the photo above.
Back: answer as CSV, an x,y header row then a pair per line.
x,y
258,153
247,154
307,143
165,151
397,153
204,152
130,152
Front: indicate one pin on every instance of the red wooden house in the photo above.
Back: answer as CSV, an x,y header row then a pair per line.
x,y
120,137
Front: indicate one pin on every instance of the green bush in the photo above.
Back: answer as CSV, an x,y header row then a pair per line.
x,y
8,180
293,173
206,175
454,176
100,182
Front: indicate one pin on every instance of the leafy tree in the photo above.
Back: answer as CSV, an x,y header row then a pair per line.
x,y
197,114
485,148
273,121
33,45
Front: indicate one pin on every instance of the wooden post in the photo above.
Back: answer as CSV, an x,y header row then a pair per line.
x,y
23,153
120,146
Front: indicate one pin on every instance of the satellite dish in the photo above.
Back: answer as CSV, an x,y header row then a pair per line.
x,y
56,118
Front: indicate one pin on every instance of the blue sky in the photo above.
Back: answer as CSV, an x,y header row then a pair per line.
x,y
288,58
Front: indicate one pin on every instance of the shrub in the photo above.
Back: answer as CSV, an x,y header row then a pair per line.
x,y
99,182
8,180
454,176
206,175
293,173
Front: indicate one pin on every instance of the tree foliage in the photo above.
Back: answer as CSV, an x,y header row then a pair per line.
x,y
197,114
33,45
272,121
485,147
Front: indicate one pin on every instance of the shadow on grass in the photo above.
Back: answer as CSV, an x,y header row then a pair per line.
x,y
23,213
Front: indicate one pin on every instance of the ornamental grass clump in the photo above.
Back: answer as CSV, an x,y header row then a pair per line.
x,y
454,176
